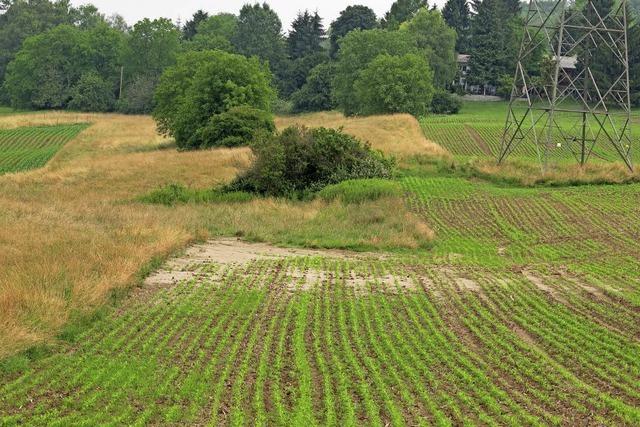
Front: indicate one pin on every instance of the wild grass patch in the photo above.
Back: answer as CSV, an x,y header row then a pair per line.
x,y
361,190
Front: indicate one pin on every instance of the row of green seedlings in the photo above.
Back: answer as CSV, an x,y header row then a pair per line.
x,y
30,148
549,388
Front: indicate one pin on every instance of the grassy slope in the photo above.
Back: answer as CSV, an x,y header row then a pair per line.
x,y
525,312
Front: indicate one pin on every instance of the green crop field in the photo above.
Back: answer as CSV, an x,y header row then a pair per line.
x,y
26,148
477,132
525,312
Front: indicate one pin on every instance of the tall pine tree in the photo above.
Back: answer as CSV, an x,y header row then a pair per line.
x,y
259,33
306,35
457,15
191,27
494,41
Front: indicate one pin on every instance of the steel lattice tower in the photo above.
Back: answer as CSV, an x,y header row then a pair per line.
x,y
568,105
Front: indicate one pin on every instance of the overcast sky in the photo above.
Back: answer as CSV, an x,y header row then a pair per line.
x,y
134,10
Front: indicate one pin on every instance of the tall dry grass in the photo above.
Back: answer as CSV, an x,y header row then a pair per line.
x,y
71,233
398,134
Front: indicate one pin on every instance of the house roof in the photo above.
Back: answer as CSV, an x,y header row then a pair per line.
x,y
463,58
568,62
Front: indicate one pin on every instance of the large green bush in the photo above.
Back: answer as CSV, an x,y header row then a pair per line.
x,y
92,93
203,84
395,84
444,102
300,161
235,127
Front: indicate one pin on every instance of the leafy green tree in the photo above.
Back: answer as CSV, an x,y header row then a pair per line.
x,y
190,28
215,33
357,50
152,46
117,22
259,34
457,15
49,65
298,72
494,42
87,16
23,19
316,93
206,83
92,93
352,18
438,40
306,35
402,11
395,84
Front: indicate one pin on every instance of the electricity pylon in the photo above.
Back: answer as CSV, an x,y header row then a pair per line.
x,y
568,104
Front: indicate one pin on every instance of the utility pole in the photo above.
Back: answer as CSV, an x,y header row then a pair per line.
x,y
579,110
121,81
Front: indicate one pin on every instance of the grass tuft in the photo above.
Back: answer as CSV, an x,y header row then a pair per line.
x,y
174,194
361,190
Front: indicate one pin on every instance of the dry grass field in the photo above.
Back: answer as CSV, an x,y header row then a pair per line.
x,y
70,233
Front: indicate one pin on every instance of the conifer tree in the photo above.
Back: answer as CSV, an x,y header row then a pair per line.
x,y
457,15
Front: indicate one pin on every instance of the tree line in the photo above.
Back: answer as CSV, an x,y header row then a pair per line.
x,y
56,56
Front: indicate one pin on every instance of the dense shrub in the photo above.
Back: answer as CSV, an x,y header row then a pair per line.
x,y
235,127
300,161
316,93
444,102
92,93
395,84
203,84
361,190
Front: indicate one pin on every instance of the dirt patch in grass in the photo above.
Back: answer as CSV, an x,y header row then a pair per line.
x,y
194,263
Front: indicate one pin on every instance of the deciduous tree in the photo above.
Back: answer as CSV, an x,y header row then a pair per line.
x,y
402,11
438,42
206,83
358,49
395,84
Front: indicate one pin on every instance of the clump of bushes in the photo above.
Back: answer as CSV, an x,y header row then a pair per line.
x,y
233,128
444,102
361,190
301,161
